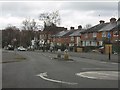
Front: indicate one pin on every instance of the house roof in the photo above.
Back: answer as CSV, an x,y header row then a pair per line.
x,y
77,32
62,33
69,32
96,28
117,27
109,27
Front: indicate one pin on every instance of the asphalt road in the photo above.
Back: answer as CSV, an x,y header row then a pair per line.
x,y
31,73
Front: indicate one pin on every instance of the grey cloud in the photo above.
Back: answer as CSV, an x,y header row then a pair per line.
x,y
91,6
33,9
119,9
16,9
24,9
103,13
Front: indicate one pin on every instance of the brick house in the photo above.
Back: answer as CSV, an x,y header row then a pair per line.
x,y
91,37
115,33
75,37
98,34
108,29
48,32
94,36
63,37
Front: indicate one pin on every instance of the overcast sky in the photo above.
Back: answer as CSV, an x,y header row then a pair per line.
x,y
71,13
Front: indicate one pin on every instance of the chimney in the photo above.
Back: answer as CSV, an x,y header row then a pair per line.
x,y
102,21
72,28
65,29
112,20
118,19
79,27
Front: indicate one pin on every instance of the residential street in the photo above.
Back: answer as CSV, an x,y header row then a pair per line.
x,y
41,70
59,44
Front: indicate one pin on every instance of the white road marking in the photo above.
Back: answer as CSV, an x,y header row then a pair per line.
x,y
107,75
109,62
44,76
99,69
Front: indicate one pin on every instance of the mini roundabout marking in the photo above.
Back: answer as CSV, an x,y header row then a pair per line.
x,y
104,75
45,77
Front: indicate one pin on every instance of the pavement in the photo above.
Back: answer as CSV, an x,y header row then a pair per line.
x,y
96,56
92,55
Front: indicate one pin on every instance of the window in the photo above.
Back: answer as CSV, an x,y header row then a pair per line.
x,y
93,43
40,36
115,34
72,38
78,41
94,34
86,35
87,43
83,43
100,43
103,34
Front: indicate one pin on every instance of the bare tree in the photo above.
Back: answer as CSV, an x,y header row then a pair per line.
x,y
29,24
50,18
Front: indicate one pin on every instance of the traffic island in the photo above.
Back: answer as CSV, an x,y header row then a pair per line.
x,y
65,56
62,59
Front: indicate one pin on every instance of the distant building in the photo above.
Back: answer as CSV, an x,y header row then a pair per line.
x,y
49,31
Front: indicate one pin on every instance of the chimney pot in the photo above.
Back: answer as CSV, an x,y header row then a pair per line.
x,y
112,20
65,29
71,28
101,21
79,27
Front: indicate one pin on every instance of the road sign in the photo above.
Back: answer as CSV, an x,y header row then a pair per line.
x,y
109,35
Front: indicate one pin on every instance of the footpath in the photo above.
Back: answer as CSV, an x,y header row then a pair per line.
x,y
96,56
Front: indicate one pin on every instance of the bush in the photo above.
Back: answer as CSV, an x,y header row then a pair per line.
x,y
63,47
116,48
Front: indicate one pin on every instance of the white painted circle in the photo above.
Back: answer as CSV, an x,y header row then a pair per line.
x,y
107,75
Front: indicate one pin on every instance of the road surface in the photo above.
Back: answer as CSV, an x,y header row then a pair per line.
x,y
41,70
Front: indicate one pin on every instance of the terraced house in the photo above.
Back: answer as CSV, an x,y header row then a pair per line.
x,y
91,37
63,37
96,36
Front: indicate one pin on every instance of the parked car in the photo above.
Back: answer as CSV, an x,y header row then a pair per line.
x,y
10,47
21,48
101,50
115,53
